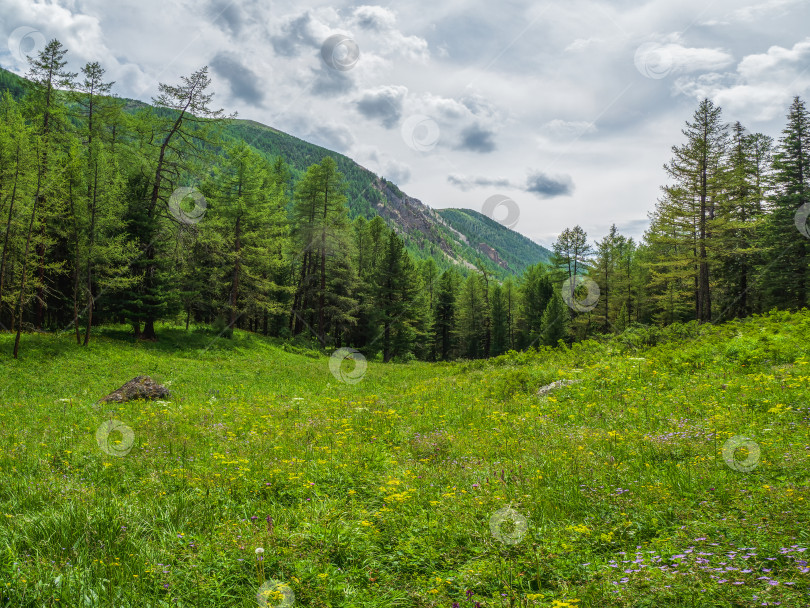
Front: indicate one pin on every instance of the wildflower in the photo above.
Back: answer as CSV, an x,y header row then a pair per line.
x,y
259,550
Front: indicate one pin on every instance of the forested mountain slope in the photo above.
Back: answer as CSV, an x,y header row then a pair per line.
x,y
425,231
510,250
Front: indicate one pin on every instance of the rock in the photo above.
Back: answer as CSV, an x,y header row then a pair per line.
x,y
142,387
545,390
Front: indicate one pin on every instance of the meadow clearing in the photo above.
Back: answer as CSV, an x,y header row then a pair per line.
x,y
670,475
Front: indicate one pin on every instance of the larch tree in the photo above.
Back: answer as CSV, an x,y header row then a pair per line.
x,y
177,138
47,75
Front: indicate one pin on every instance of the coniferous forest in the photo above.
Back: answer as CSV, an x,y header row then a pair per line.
x,y
142,216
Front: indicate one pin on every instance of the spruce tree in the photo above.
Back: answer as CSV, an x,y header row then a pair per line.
x,y
395,299
556,321
786,274
445,315
322,248
737,225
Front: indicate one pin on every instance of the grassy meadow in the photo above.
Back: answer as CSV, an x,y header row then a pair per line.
x,y
675,472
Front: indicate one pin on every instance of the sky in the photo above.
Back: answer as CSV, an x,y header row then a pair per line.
x,y
543,114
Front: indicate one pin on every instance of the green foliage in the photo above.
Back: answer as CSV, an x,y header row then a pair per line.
x,y
392,483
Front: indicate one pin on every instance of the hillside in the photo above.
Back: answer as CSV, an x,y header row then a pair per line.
x,y
425,232
510,250
673,473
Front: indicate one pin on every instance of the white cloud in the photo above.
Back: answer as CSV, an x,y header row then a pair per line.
x,y
764,9
761,87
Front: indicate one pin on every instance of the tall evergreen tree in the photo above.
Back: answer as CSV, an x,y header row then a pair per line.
x,y
178,140
556,321
737,224
323,248
696,171
46,76
395,299
535,291
786,277
246,216
445,314
17,168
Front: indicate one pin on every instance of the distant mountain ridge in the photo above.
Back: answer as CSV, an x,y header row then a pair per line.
x,y
453,237
508,249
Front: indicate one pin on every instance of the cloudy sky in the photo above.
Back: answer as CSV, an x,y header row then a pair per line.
x,y
568,107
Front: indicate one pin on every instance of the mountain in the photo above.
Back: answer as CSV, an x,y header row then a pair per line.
x,y
502,246
452,237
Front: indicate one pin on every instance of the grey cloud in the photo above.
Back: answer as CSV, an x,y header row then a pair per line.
x,y
633,227
374,18
243,82
476,139
228,14
397,173
333,137
478,106
294,33
384,103
546,186
468,182
331,83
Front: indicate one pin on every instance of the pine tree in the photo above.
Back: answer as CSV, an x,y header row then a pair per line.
x,y
246,214
445,314
738,222
786,277
425,305
322,248
670,260
395,298
46,75
571,252
473,312
510,307
555,321
370,238
696,170
604,272
534,292
499,321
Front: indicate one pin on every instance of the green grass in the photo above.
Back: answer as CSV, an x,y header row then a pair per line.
x,y
383,492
